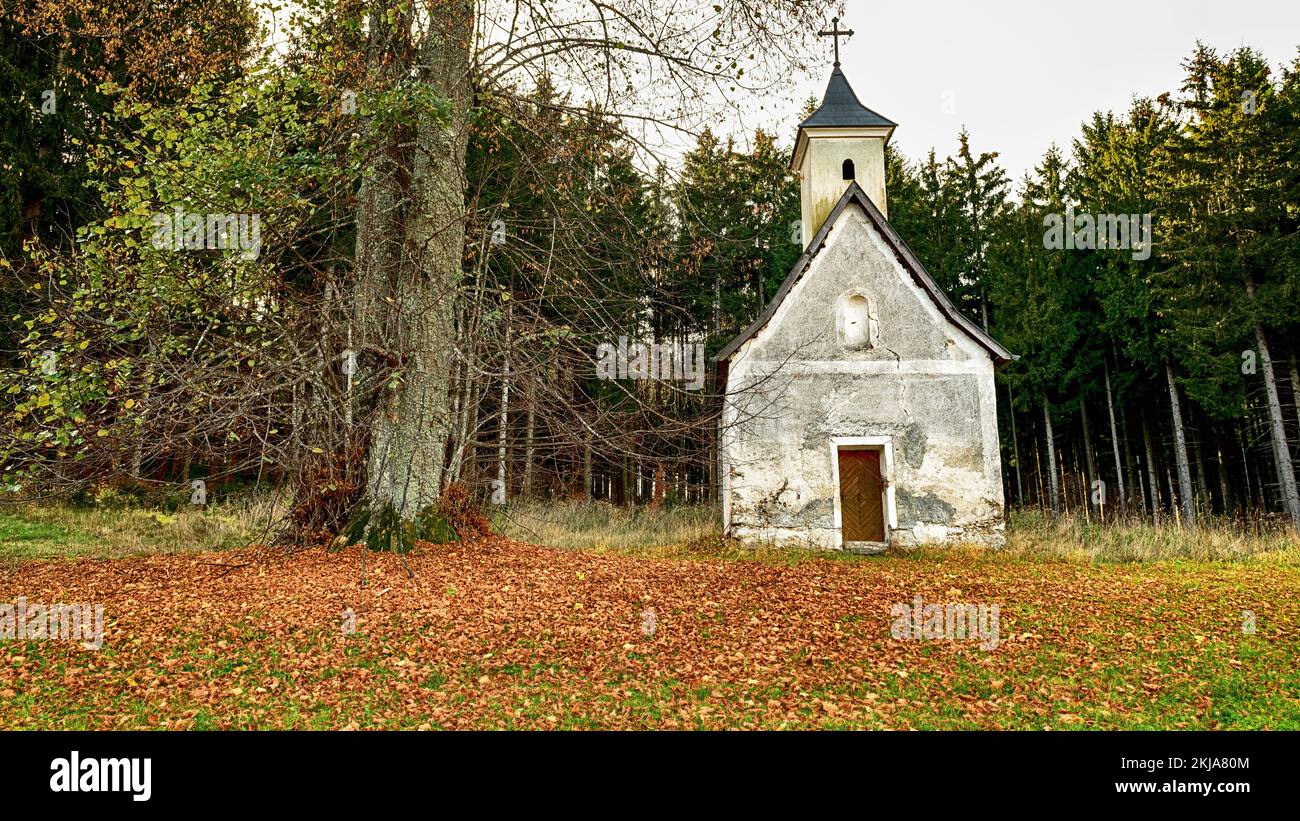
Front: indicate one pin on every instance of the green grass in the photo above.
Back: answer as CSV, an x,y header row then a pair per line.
x,y
76,531
27,536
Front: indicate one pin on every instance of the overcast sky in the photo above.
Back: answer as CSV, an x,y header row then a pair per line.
x,y
1021,74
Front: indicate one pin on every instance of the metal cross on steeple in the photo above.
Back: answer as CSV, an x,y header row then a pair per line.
x,y
835,32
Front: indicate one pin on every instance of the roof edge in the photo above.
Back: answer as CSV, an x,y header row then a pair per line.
x,y
855,194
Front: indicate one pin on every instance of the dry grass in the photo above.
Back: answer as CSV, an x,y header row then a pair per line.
x,y
1076,538
686,532
115,529
603,526
110,531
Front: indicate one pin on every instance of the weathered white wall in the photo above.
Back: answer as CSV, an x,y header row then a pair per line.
x,y
925,387
821,171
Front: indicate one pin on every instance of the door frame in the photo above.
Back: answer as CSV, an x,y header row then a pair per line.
x,y
886,448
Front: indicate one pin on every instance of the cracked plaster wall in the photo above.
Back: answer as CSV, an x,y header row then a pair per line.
x,y
924,385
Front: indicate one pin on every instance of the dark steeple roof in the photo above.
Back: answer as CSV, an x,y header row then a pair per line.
x,y
841,109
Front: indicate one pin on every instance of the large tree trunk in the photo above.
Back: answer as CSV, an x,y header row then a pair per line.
x,y
410,243
1185,490
1051,458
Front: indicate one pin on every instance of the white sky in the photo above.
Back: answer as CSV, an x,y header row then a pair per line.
x,y
1021,74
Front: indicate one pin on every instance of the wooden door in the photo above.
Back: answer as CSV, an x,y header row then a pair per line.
x,y
862,512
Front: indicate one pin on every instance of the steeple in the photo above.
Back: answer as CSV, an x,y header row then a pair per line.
x,y
842,141
840,108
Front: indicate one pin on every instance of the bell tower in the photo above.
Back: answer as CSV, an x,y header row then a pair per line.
x,y
842,142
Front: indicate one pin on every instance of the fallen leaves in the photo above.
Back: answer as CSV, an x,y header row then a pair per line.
x,y
501,634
